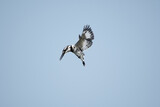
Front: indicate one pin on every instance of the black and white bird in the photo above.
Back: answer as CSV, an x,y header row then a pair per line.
x,y
84,42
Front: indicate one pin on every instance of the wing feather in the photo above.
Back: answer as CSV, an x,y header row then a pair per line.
x,y
85,40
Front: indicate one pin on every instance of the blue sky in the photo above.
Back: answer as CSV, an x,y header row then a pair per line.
x,y
122,66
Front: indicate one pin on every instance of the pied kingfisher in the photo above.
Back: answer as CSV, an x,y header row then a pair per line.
x,y
84,42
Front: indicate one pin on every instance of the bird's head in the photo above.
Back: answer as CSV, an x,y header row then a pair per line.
x,y
68,48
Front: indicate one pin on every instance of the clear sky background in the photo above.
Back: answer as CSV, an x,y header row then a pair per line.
x,y
122,66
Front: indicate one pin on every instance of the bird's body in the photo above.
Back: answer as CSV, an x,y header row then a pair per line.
x,y
84,42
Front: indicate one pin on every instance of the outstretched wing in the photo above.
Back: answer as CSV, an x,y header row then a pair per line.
x,y
85,40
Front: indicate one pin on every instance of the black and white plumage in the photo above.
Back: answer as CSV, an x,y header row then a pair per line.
x,y
84,42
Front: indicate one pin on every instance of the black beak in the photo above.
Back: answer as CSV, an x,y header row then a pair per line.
x,y
62,55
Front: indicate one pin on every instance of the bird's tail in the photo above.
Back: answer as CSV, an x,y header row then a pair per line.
x,y
83,63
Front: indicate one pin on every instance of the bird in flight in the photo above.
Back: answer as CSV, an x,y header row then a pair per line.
x,y
84,42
